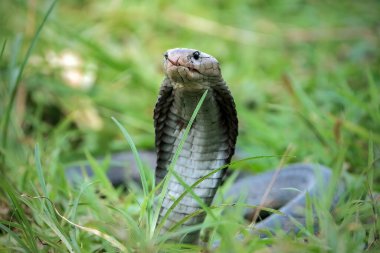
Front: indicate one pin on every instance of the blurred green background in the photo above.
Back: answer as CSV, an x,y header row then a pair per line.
x,y
303,73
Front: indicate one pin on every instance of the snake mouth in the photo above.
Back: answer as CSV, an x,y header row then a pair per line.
x,y
192,70
176,63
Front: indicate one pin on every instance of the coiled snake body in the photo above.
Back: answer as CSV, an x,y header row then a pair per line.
x,y
210,145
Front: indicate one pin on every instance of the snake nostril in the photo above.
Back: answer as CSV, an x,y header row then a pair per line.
x,y
166,55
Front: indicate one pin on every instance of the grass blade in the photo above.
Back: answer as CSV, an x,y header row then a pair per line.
x,y
144,174
99,173
3,49
26,227
14,87
49,216
14,236
40,175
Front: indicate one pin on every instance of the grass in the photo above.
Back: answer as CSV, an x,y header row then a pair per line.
x,y
303,73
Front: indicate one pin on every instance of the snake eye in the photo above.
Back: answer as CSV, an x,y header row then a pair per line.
x,y
196,55
166,55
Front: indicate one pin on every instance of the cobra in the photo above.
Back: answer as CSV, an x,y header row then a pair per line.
x,y
210,145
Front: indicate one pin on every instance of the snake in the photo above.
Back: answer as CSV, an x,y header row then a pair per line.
x,y
210,146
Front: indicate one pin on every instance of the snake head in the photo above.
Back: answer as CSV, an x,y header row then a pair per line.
x,y
189,66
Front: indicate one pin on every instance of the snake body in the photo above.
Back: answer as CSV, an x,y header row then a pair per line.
x,y
209,146
211,140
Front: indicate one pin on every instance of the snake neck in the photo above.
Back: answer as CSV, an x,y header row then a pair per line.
x,y
186,100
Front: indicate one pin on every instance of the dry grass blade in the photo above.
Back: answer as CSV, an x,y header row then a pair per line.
x,y
93,231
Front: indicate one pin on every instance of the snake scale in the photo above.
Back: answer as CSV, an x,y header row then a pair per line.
x,y
209,146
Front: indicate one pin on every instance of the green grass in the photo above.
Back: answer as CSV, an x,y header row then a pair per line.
x,y
303,73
